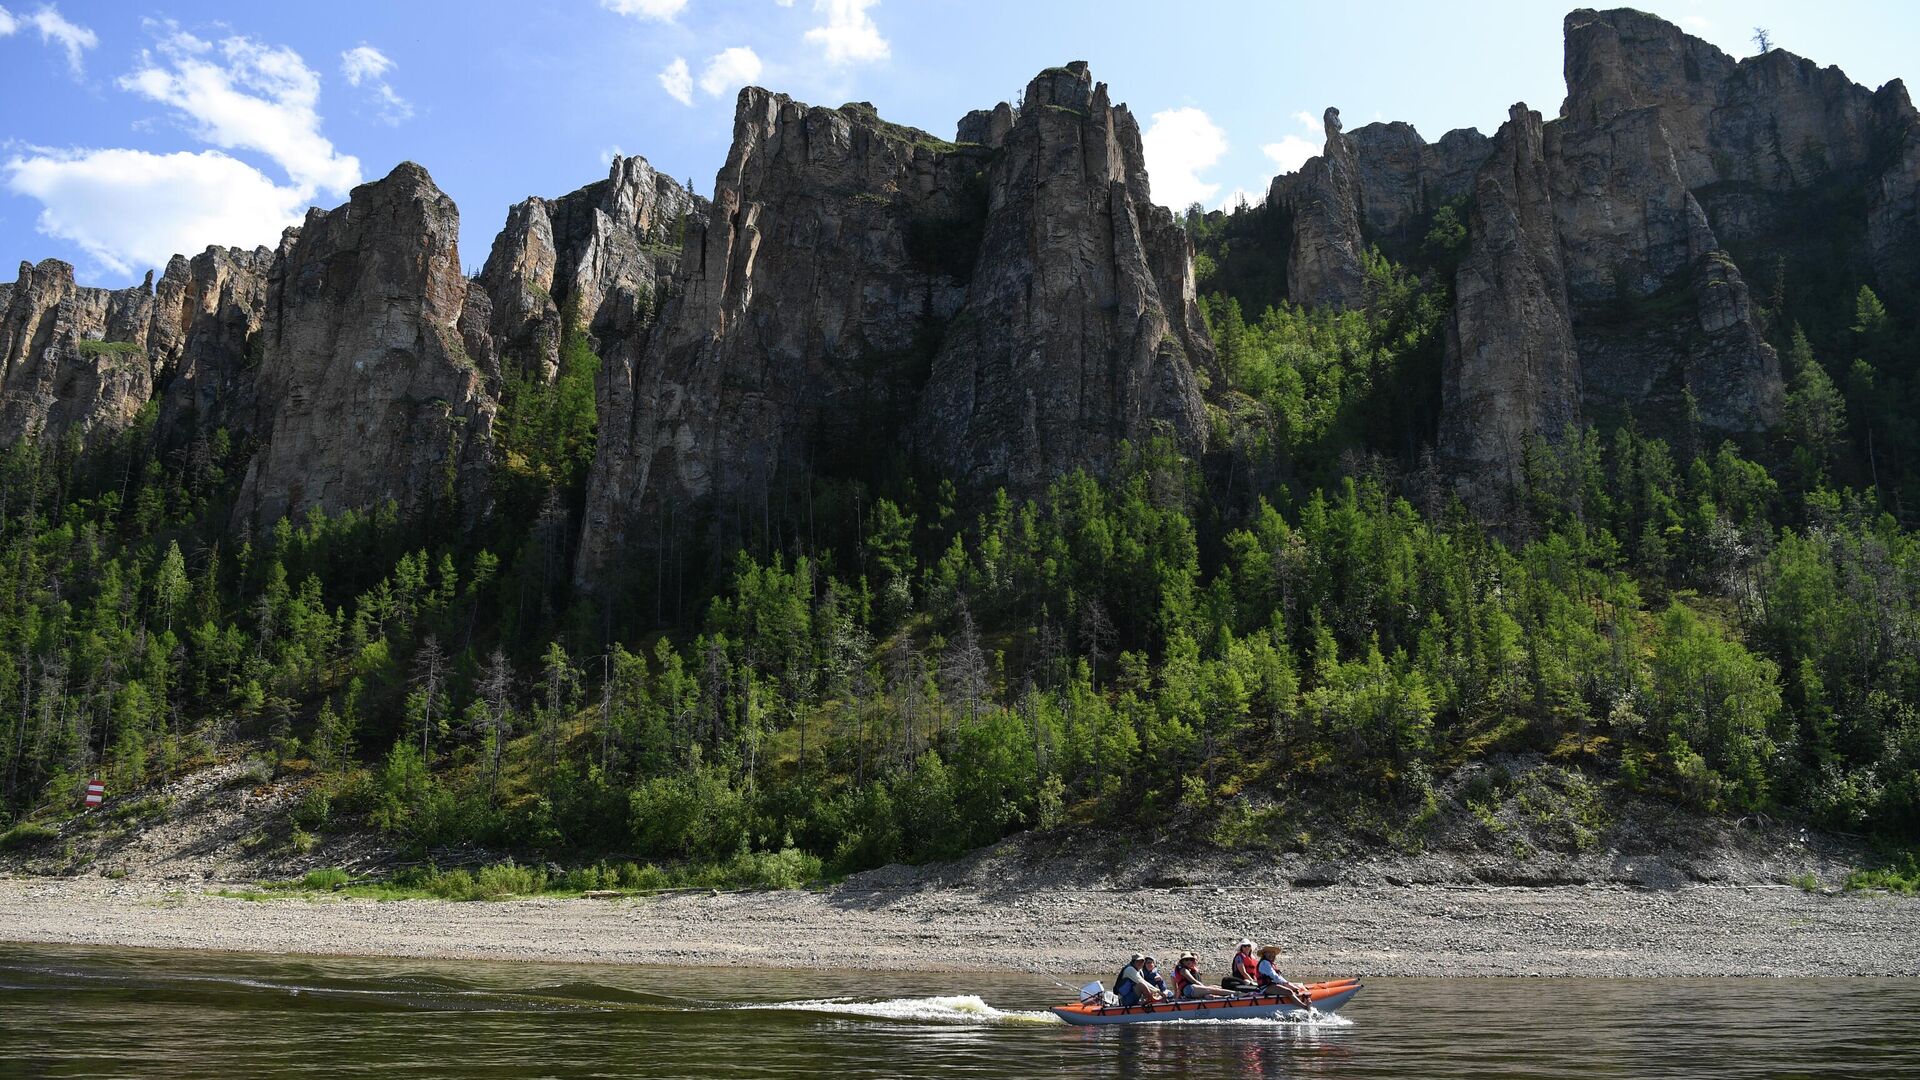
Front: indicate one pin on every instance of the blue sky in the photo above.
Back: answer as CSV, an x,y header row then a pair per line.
x,y
135,129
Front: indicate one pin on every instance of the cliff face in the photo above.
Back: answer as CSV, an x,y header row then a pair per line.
x,y
1672,163
1080,328
366,389
1378,185
73,360
1000,309
206,313
1511,372
599,254
796,322
1007,308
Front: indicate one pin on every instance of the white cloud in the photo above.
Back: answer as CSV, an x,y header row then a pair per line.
x,y
727,70
1310,121
783,3
1290,152
850,35
1695,22
54,30
130,209
262,98
677,81
1180,144
365,64
657,10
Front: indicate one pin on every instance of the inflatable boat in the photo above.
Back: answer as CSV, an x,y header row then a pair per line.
x,y
1325,997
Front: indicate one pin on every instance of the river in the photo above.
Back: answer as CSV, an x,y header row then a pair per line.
x,y
119,1013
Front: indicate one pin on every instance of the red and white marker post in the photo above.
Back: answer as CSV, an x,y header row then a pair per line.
x,y
96,793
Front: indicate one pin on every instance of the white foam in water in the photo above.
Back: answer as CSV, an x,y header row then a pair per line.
x,y
959,1009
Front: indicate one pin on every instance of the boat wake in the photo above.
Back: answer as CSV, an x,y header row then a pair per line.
x,y
958,1009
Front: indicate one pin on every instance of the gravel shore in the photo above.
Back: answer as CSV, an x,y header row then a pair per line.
x,y
1601,930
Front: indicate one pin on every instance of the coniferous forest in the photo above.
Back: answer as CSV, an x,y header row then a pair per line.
x,y
878,667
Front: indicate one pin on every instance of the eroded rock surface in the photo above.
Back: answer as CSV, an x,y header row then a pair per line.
x,y
599,255
366,389
1512,372
1080,328
73,360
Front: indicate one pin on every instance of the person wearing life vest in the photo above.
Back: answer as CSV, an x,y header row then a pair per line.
x,y
1272,982
1186,981
1139,983
1243,971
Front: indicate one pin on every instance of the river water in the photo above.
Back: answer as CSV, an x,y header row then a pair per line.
x,y
115,1013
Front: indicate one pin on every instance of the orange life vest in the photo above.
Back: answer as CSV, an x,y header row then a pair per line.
x,y
1246,967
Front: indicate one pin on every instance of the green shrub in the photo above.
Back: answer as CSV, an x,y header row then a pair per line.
x,y
326,880
24,834
644,877
313,810
92,349
788,868
1900,876
508,879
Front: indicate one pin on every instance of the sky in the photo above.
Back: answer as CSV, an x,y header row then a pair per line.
x,y
134,129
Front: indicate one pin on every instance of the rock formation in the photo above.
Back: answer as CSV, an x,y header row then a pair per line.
x,y
1324,265
798,319
206,313
599,254
367,392
999,309
1511,374
1403,178
73,360
1009,307
1080,328
1670,163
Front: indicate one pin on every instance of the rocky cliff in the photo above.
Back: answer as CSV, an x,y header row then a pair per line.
x,y
1005,308
1671,167
1512,373
207,311
367,392
998,309
1379,185
73,360
599,255
1080,328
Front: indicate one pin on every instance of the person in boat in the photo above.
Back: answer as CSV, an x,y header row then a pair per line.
x,y
1139,983
1272,982
1186,981
1243,971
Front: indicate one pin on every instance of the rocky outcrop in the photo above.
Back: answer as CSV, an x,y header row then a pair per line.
x,y
207,311
1080,329
1008,307
1666,331
1404,178
1324,265
73,360
599,255
367,393
1379,185
1766,144
1511,373
1893,197
799,320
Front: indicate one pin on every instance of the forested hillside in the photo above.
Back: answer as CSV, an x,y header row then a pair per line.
x,y
896,675
697,532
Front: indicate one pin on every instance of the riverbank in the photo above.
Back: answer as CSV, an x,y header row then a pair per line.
x,y
1601,930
